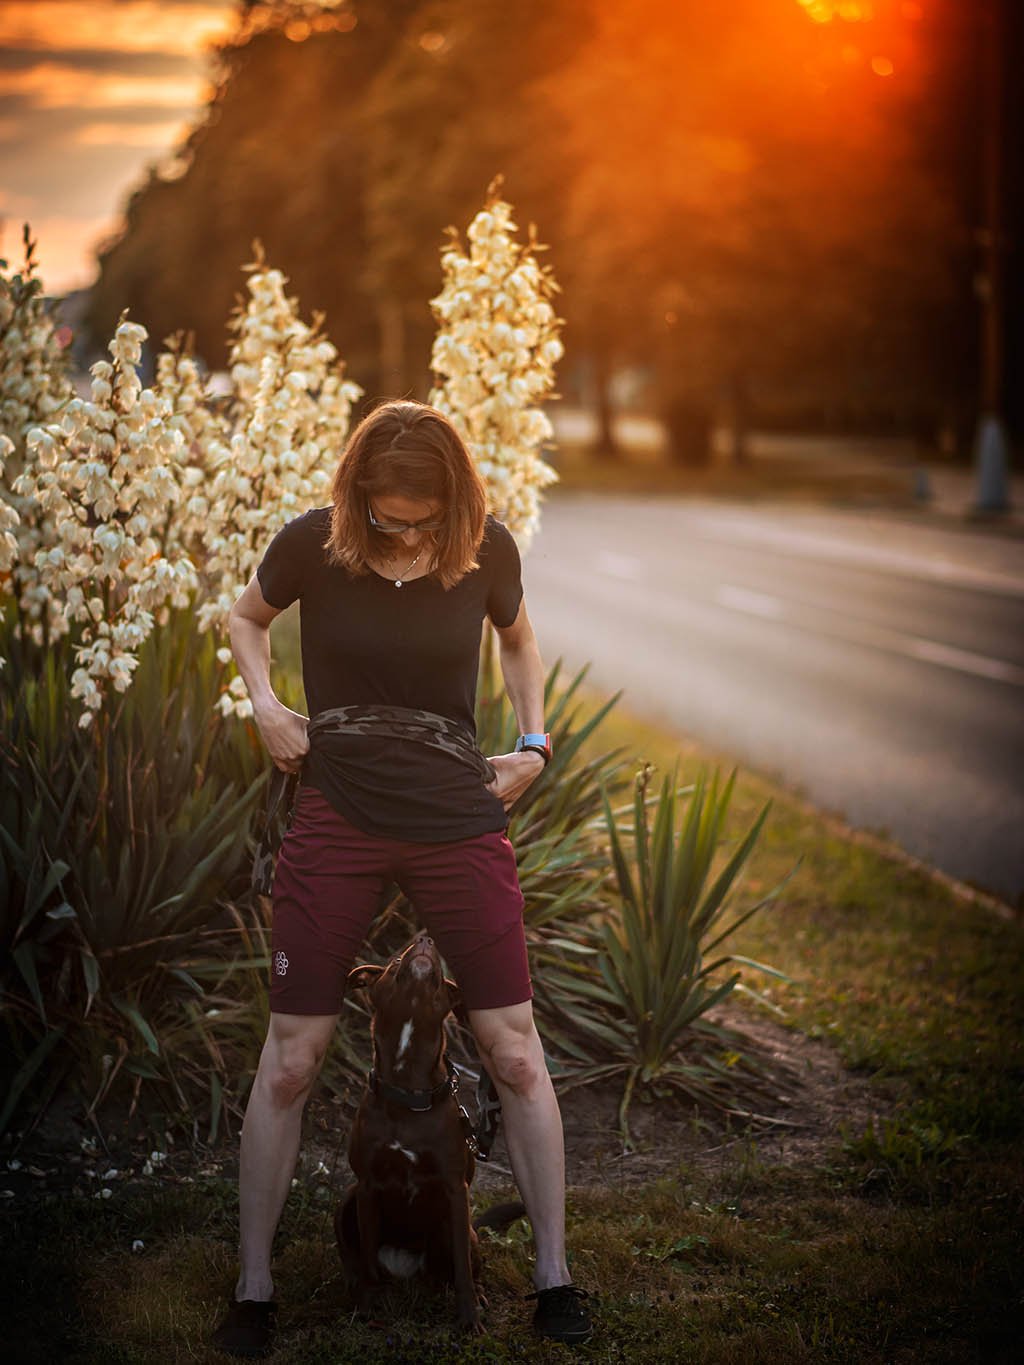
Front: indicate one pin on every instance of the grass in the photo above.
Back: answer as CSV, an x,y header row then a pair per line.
x,y
909,980
904,1245
767,1265
643,472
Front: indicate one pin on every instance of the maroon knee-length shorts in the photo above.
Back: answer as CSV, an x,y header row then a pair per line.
x,y
328,887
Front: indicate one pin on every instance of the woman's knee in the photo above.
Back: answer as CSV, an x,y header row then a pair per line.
x,y
291,1083
514,1056
293,1054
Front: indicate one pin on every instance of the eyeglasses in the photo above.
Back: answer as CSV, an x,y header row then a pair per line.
x,y
394,528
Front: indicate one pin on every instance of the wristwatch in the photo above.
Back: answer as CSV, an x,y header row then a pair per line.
x,y
540,744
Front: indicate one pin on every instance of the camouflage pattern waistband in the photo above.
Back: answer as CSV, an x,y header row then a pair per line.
x,y
402,722
397,722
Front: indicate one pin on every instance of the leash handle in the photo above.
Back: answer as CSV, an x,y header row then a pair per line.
x,y
280,794
488,1114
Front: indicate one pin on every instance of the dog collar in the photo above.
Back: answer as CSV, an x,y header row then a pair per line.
x,y
479,1139
419,1101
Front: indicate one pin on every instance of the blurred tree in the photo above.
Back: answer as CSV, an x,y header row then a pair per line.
x,y
452,107
279,155
735,197
346,141
750,210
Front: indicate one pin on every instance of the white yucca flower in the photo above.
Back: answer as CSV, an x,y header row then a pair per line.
x,y
9,517
34,388
33,372
495,352
106,479
122,495
273,453
266,453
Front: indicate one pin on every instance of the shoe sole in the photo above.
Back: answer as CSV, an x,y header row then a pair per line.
x,y
570,1338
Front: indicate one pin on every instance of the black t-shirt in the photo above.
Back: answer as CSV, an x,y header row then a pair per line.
x,y
366,642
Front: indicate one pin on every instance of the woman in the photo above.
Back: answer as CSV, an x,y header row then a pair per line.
x,y
394,580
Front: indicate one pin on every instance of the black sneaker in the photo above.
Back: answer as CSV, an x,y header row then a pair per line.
x,y
247,1328
560,1313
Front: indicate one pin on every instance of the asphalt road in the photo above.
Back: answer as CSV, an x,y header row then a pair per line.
x,y
871,663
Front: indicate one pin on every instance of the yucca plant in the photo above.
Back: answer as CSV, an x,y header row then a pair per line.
x,y
633,1002
119,846
552,825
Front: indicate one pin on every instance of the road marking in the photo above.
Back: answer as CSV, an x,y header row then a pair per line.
x,y
845,545
801,543
626,567
744,599
678,609
770,608
966,661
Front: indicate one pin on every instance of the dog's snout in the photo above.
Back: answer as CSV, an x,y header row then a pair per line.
x,y
422,943
420,961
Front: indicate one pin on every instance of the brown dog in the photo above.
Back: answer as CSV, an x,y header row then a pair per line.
x,y
411,1144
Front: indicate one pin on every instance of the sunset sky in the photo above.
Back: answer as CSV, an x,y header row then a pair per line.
x,y
91,92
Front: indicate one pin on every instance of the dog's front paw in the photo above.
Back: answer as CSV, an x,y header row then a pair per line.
x,y
366,1299
470,1315
471,1319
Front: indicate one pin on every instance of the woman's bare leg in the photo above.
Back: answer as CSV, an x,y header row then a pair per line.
x,y
511,1048
289,1064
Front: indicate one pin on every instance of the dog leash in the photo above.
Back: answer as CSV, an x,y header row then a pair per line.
x,y
391,722
488,1115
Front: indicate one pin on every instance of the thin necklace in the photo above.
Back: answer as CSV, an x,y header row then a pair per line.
x,y
398,581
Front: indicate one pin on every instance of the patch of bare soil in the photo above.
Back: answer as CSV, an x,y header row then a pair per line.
x,y
794,1124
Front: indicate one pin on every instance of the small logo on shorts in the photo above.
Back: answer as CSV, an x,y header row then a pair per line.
x,y
280,964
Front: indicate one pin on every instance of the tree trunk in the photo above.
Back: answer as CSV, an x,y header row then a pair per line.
x,y
688,423
739,417
605,446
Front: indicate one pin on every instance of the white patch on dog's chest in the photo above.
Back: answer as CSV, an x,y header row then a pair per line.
x,y
401,1263
396,1146
404,1039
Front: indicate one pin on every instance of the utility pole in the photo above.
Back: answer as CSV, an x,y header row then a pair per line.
x,y
990,443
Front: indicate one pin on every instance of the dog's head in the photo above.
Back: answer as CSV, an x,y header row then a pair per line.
x,y
410,990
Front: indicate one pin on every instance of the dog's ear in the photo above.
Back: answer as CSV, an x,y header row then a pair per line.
x,y
455,1002
361,978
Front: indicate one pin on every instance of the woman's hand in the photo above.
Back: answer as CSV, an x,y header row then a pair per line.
x,y
515,773
284,734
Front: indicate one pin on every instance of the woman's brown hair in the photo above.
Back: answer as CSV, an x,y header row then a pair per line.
x,y
410,449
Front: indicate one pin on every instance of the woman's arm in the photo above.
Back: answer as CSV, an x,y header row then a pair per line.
x,y
523,671
283,730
